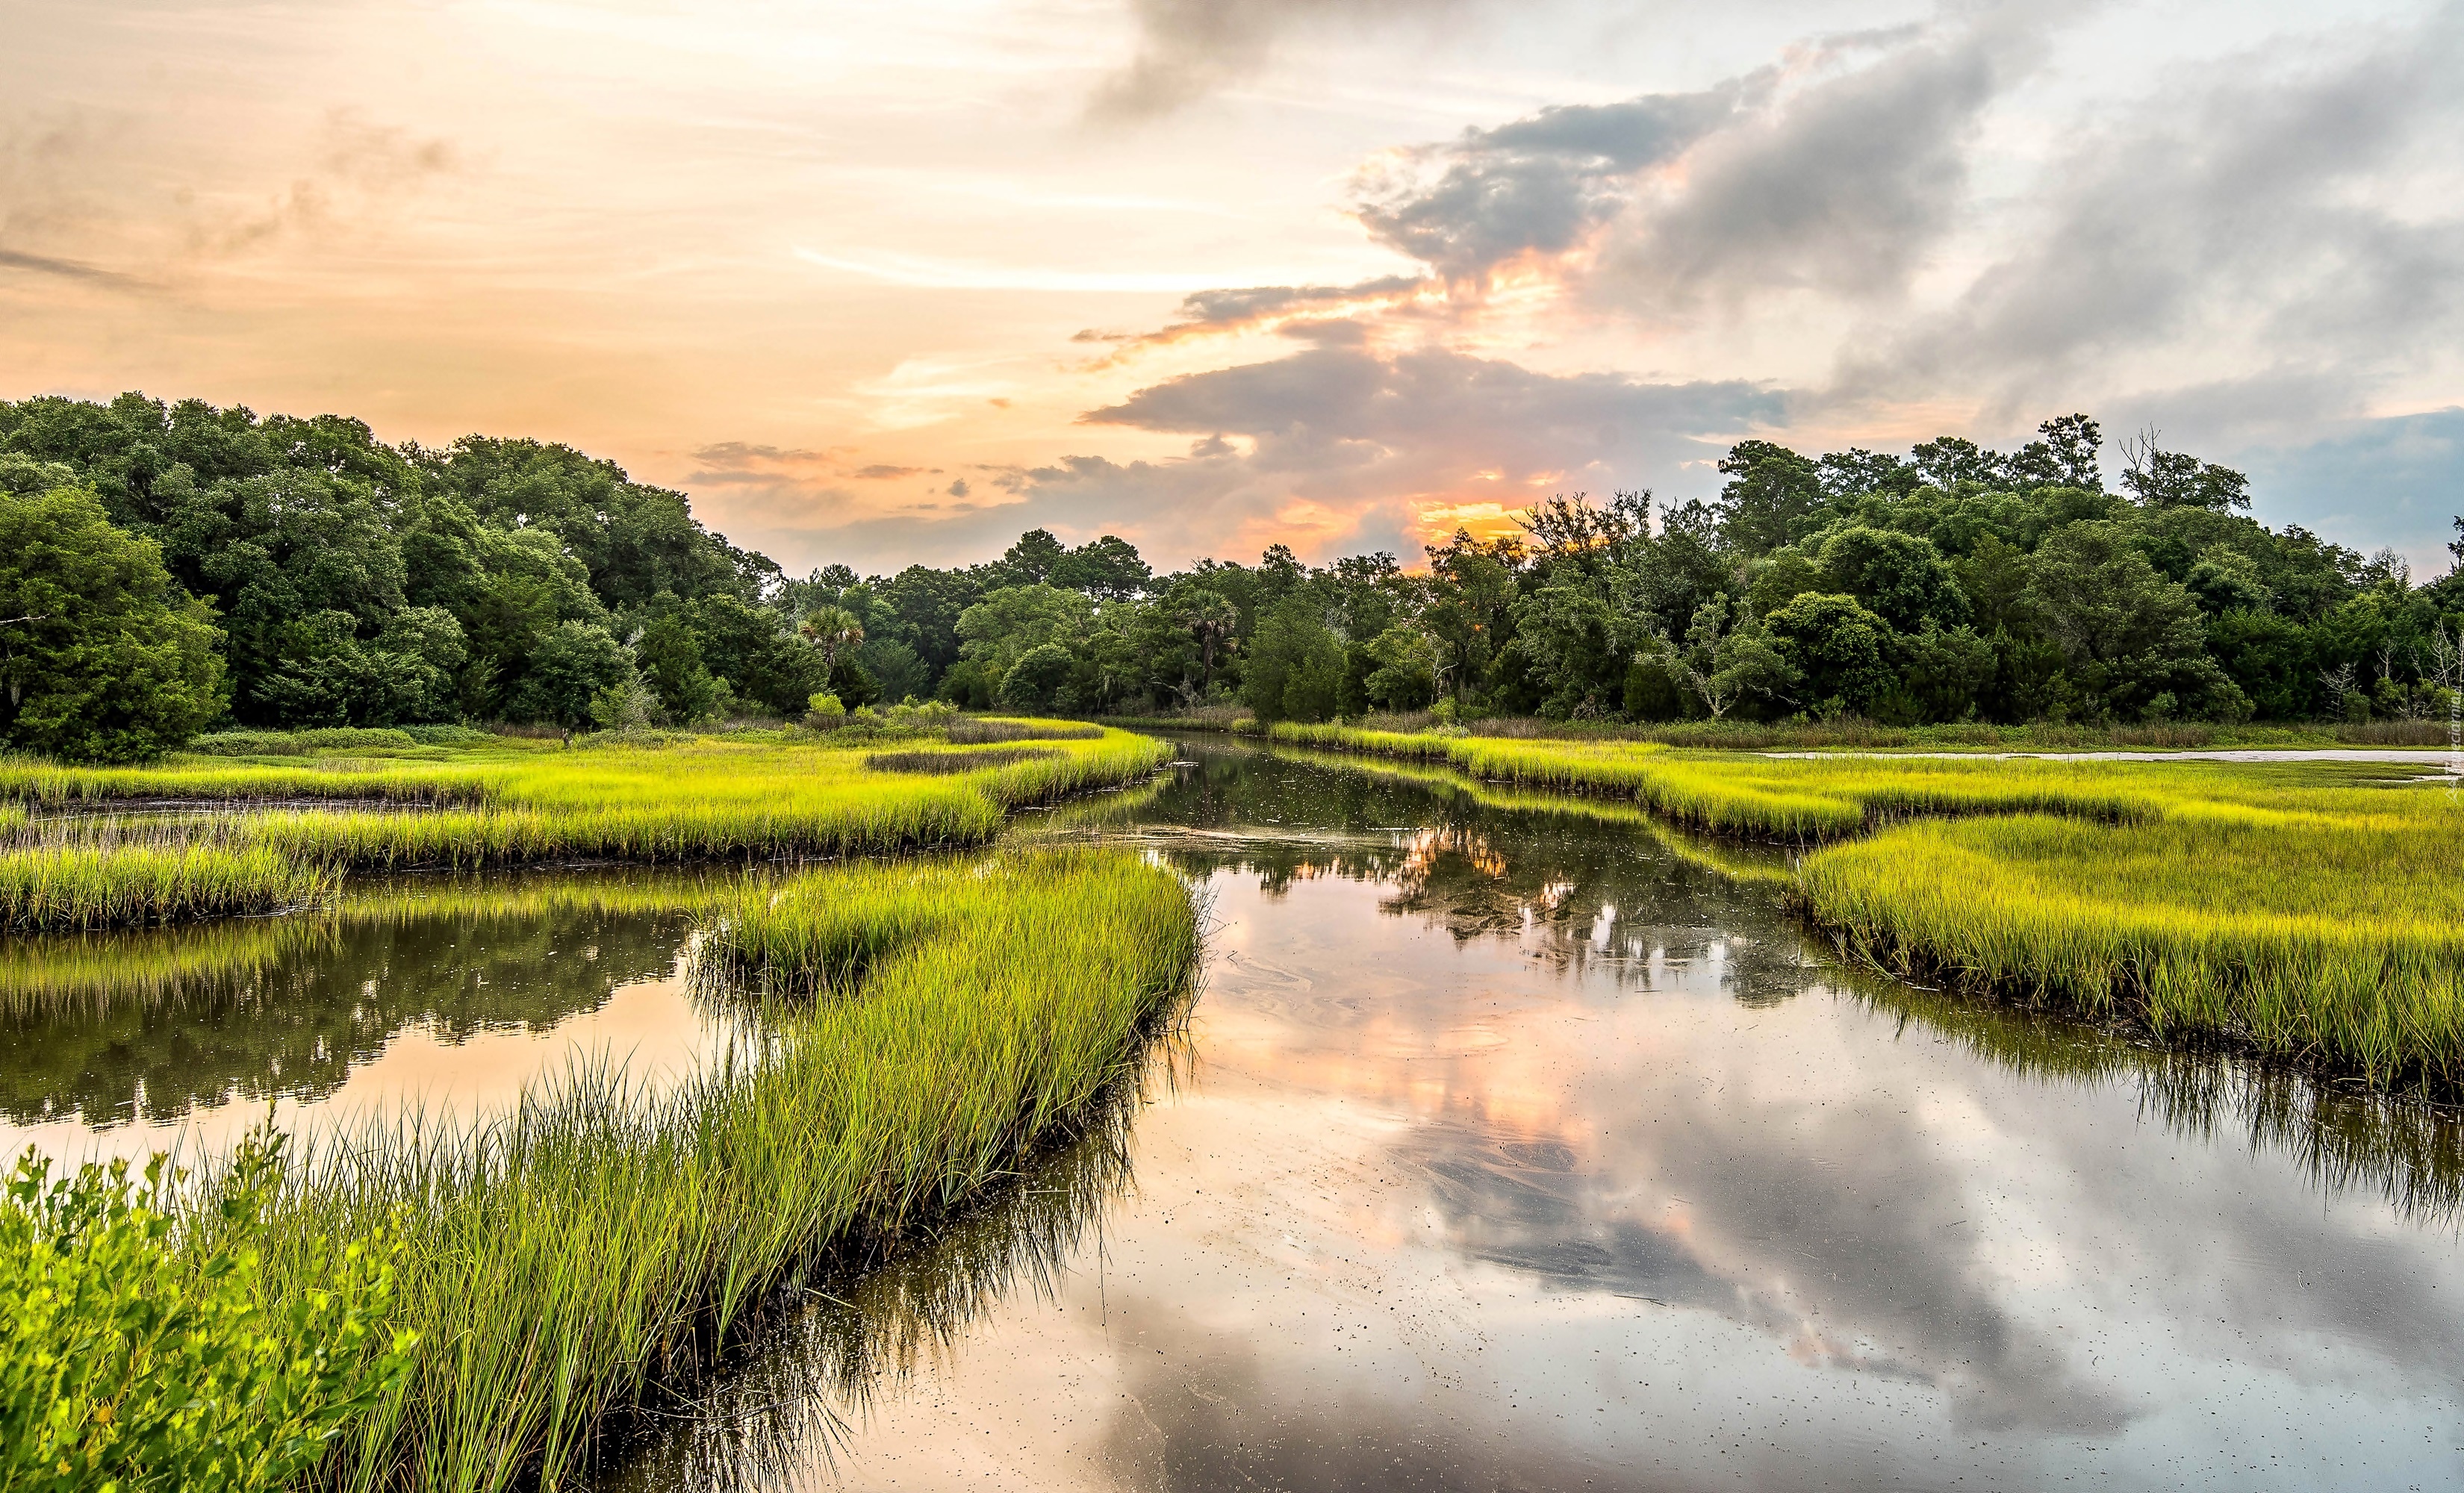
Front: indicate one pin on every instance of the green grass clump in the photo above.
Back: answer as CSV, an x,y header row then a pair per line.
x,y
576,1257
49,888
2310,913
488,806
2326,927
1797,800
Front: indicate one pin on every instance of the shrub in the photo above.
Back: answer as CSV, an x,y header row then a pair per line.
x,y
309,743
824,713
445,735
136,1352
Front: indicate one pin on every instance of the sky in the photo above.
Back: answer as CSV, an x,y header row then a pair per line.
x,y
885,284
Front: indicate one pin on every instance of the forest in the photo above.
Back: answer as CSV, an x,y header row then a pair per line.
x,y
170,568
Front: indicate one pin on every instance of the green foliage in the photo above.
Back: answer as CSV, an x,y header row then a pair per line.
x,y
1038,679
1835,650
1295,666
138,1348
101,658
571,668
362,584
2133,641
1900,577
1723,664
324,739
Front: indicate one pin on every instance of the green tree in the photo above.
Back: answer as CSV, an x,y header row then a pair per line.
x,y
1773,497
1839,652
1037,680
1294,671
1405,675
1899,577
1727,665
670,659
103,658
571,667
1109,569
2133,641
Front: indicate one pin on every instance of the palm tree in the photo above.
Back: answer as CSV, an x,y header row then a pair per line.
x,y
832,630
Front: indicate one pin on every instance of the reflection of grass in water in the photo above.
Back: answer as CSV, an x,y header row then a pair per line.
x,y
40,977
857,1327
151,966
2309,913
149,1025
574,1258
2411,1151
2408,1152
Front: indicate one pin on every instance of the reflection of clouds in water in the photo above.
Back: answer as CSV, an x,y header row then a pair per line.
x,y
1838,1240
1836,1226
1530,1153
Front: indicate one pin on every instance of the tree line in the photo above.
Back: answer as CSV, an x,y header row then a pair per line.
x,y
167,568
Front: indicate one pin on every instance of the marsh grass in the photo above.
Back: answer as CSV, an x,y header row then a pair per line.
x,y
810,1368
2312,913
78,887
929,1024
1798,800
2309,936
711,800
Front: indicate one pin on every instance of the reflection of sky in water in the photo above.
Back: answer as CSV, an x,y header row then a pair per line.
x,y
1480,1183
420,998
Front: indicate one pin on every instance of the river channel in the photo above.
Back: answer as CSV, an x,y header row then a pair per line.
x,y
1511,1145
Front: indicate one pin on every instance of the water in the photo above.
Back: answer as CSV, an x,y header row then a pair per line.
x,y
444,996
1511,1147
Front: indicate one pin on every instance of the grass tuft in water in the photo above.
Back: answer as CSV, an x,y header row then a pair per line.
x,y
930,1024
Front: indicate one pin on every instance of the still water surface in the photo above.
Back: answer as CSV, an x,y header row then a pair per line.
x,y
1509,1147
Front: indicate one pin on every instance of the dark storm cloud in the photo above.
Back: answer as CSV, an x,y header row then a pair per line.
x,y
2295,206
1189,48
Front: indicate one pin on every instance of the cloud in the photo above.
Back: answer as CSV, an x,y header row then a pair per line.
x,y
1216,313
1341,446
1541,183
1837,168
2283,213
66,269
883,471
1188,48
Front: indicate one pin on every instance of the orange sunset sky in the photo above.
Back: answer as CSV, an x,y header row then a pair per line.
x,y
887,283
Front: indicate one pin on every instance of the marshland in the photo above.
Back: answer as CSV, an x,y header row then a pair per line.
x,y
1341,1103
1280,1025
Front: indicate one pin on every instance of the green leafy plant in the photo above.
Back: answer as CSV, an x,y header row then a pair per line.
x,y
138,1353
